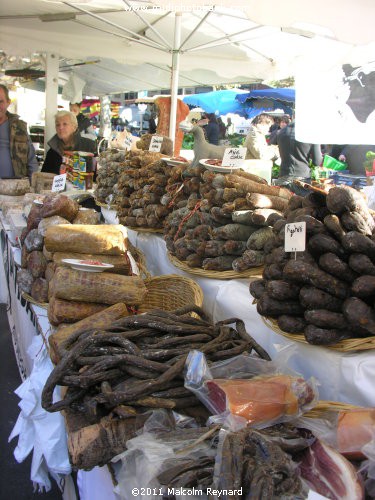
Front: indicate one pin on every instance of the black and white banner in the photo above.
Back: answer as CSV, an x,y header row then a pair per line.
x,y
336,104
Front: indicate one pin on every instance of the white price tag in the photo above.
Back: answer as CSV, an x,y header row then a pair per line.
x,y
133,264
233,157
58,183
128,141
155,144
295,237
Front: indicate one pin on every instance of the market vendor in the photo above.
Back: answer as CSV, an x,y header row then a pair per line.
x,y
16,149
67,138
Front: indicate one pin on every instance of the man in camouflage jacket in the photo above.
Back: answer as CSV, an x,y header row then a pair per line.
x,y
16,149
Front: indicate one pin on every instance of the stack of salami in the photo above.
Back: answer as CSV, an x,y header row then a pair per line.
x,y
36,261
328,291
226,224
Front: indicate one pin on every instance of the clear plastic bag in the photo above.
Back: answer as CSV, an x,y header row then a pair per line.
x,y
262,392
167,444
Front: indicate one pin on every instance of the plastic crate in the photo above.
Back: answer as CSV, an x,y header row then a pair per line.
x,y
354,181
333,164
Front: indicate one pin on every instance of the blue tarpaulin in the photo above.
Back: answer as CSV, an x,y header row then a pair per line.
x,y
283,95
219,102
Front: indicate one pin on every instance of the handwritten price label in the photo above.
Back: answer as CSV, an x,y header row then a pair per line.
x,y
233,157
295,237
128,141
58,183
155,144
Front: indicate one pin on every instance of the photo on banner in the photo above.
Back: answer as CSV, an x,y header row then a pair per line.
x,y
336,104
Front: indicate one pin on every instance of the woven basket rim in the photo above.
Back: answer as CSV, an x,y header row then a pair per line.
x,y
30,299
181,281
105,205
146,229
323,406
219,275
346,345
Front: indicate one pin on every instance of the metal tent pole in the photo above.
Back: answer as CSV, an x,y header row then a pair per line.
x,y
175,71
52,75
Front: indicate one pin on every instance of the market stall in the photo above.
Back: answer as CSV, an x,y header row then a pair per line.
x,y
103,404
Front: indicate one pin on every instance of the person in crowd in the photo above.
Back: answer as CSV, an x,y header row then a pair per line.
x,y
212,129
229,127
222,128
152,125
84,123
295,159
355,155
283,121
256,143
17,153
67,138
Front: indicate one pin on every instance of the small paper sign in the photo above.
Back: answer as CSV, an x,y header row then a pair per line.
x,y
295,237
233,157
133,264
128,141
155,144
58,183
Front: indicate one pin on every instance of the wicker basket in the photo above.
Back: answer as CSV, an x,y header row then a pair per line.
x,y
169,292
29,298
105,205
324,407
146,229
347,345
255,272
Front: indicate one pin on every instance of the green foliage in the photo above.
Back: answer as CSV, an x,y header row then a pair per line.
x,y
275,171
188,142
236,140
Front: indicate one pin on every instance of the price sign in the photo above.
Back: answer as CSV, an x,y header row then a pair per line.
x,y
58,183
155,144
128,141
295,237
233,157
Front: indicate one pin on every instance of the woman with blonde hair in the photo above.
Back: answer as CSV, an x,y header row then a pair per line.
x,y
67,138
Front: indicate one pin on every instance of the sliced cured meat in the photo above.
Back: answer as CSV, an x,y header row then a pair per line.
x,y
260,399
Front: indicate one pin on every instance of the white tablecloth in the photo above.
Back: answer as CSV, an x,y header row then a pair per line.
x,y
346,377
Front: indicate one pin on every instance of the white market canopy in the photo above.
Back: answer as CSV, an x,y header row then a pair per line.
x,y
133,42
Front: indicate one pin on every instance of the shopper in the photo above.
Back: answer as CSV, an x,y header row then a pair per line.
x,y
84,124
17,153
256,143
67,138
212,129
354,155
295,159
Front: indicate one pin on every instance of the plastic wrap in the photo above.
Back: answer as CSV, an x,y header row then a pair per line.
x,y
168,443
85,238
50,221
261,392
15,187
87,216
36,264
34,241
59,205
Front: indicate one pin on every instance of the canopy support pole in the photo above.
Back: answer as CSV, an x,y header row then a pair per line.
x,y
52,80
174,80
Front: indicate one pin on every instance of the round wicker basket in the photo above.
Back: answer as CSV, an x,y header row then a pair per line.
x,y
255,272
146,229
169,292
328,406
29,298
105,205
347,345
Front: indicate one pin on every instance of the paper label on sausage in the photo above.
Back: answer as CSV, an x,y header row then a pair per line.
x,y
295,237
233,157
58,183
155,144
